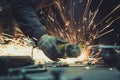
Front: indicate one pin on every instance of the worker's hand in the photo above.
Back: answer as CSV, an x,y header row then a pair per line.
x,y
49,46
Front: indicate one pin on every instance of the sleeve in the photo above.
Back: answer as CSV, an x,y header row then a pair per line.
x,y
26,17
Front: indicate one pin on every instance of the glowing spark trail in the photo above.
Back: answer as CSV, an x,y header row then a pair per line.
x,y
109,14
84,29
63,21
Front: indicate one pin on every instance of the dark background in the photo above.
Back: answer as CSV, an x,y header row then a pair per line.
x,y
106,7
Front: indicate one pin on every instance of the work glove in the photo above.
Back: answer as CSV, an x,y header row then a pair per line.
x,y
49,45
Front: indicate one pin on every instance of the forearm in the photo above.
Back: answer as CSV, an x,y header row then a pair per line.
x,y
27,19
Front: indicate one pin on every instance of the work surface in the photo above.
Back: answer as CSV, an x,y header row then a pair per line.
x,y
75,73
85,73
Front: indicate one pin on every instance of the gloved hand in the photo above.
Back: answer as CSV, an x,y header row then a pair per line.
x,y
49,46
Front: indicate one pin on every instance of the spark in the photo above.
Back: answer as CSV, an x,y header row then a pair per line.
x,y
94,15
109,14
82,30
111,69
86,10
105,33
1,9
109,24
108,20
87,67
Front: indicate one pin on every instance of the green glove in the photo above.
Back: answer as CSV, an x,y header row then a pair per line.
x,y
49,46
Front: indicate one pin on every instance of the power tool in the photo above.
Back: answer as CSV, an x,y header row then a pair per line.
x,y
69,50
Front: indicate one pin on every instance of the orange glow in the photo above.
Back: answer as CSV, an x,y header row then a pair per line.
x,y
17,48
83,57
67,23
85,54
